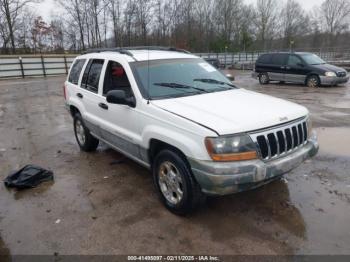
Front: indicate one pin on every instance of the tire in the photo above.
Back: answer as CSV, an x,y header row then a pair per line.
x,y
313,81
264,79
282,82
85,140
175,184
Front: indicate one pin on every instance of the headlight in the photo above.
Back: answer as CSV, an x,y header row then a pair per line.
x,y
231,148
330,74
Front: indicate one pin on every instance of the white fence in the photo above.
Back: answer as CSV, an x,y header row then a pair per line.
x,y
246,58
46,65
31,65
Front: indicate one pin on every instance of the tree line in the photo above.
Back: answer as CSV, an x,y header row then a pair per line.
x,y
196,25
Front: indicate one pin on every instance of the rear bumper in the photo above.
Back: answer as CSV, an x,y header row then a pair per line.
x,y
334,80
228,178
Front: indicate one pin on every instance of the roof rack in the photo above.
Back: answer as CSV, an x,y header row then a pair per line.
x,y
117,49
157,48
126,50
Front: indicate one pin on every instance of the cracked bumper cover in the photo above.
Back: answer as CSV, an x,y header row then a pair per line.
x,y
217,178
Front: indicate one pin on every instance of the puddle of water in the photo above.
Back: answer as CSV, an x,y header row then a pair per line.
x,y
339,104
335,141
336,113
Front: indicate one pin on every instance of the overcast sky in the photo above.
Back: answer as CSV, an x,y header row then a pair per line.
x,y
48,7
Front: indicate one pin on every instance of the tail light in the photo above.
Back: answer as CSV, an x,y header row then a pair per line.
x,y
64,92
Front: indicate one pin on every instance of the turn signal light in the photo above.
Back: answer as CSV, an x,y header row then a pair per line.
x,y
234,157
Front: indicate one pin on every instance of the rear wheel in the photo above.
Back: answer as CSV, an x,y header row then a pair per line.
x,y
313,81
85,140
175,184
264,79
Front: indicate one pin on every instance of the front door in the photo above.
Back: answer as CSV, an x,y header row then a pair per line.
x,y
120,122
296,70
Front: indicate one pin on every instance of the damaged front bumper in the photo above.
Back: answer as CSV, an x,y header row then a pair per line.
x,y
218,178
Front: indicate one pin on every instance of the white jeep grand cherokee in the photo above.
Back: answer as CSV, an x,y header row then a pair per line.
x,y
177,115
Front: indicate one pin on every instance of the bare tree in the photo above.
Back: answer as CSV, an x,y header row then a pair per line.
x,y
197,25
143,17
129,18
25,24
266,20
204,16
336,14
294,22
10,10
75,10
114,8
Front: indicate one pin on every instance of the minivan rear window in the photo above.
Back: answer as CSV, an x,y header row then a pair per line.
x,y
75,71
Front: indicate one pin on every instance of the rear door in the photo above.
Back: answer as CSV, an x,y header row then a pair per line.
x,y
296,70
277,67
88,93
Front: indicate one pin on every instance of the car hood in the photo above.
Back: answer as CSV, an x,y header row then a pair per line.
x,y
328,67
233,111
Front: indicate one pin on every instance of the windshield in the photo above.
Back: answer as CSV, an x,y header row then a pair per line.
x,y
161,79
312,59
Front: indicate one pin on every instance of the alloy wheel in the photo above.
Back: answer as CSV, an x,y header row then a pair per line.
x,y
312,82
80,131
170,183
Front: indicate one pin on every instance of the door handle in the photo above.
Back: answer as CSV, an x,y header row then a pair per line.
x,y
103,106
80,95
282,67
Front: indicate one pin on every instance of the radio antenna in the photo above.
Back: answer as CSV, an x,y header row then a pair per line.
x,y
148,76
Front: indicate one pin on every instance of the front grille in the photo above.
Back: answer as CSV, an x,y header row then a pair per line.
x,y
341,74
281,140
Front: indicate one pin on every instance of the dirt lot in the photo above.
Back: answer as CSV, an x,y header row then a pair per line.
x,y
96,206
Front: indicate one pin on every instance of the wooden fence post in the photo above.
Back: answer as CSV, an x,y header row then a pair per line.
x,y
65,64
21,65
43,65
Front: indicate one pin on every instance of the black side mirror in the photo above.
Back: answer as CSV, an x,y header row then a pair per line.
x,y
301,64
119,97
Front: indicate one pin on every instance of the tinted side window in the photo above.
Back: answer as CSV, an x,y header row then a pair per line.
x,y
279,59
75,71
91,77
264,59
294,60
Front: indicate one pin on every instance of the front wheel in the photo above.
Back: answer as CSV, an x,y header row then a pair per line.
x,y
313,81
264,79
86,141
175,184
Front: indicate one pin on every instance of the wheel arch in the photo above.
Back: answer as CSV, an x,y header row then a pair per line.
x,y
312,74
74,110
156,146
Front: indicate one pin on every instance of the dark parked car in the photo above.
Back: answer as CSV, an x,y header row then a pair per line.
x,y
214,62
302,68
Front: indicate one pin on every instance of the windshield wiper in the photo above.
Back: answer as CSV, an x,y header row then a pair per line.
x,y
180,86
213,81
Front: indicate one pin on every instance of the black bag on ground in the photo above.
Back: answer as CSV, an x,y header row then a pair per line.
x,y
28,177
